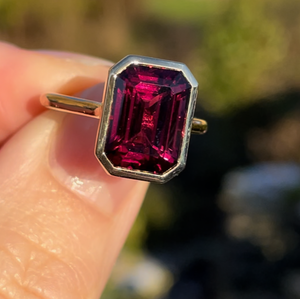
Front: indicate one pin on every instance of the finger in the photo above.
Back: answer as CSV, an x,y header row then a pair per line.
x,y
25,75
63,220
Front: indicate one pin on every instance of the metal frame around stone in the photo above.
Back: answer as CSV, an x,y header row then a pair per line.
x,y
104,123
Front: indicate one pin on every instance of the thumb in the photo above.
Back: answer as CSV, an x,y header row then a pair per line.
x,y
63,220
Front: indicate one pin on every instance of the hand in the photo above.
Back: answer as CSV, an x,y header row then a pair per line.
x,y
63,220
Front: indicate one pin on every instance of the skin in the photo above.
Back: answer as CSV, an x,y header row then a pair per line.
x,y
63,220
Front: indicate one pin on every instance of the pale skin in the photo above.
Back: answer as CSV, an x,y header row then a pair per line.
x,y
63,220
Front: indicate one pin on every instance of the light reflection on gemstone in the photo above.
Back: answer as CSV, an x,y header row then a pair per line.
x,y
148,114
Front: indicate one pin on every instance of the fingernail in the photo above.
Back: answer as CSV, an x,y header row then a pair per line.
x,y
73,163
84,59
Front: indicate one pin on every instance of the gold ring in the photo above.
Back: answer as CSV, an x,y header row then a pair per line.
x,y
146,118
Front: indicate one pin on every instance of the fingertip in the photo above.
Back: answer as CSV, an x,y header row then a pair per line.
x,y
69,231
25,75
82,58
7,45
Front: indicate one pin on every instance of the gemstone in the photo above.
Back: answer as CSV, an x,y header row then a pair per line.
x,y
148,116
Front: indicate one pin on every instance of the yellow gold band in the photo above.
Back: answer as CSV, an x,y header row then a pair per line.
x,y
93,109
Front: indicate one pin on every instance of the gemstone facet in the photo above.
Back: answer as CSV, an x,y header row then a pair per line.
x,y
147,118
145,128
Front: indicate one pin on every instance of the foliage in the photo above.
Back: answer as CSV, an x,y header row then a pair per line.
x,y
238,50
241,47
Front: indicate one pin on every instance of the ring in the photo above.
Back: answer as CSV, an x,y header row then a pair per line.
x,y
146,118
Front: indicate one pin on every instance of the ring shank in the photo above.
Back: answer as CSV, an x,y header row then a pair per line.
x,y
93,109
71,104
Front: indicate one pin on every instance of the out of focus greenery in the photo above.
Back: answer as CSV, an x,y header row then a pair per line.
x,y
238,50
244,55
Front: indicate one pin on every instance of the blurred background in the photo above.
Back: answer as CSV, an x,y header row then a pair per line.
x,y
229,226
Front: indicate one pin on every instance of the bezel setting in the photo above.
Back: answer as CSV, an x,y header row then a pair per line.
x,y
106,113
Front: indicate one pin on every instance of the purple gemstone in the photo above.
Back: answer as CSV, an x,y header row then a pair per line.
x,y
147,120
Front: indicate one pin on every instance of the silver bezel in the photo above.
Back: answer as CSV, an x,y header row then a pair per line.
x,y
104,123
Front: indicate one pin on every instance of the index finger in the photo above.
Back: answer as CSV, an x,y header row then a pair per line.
x,y
25,75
